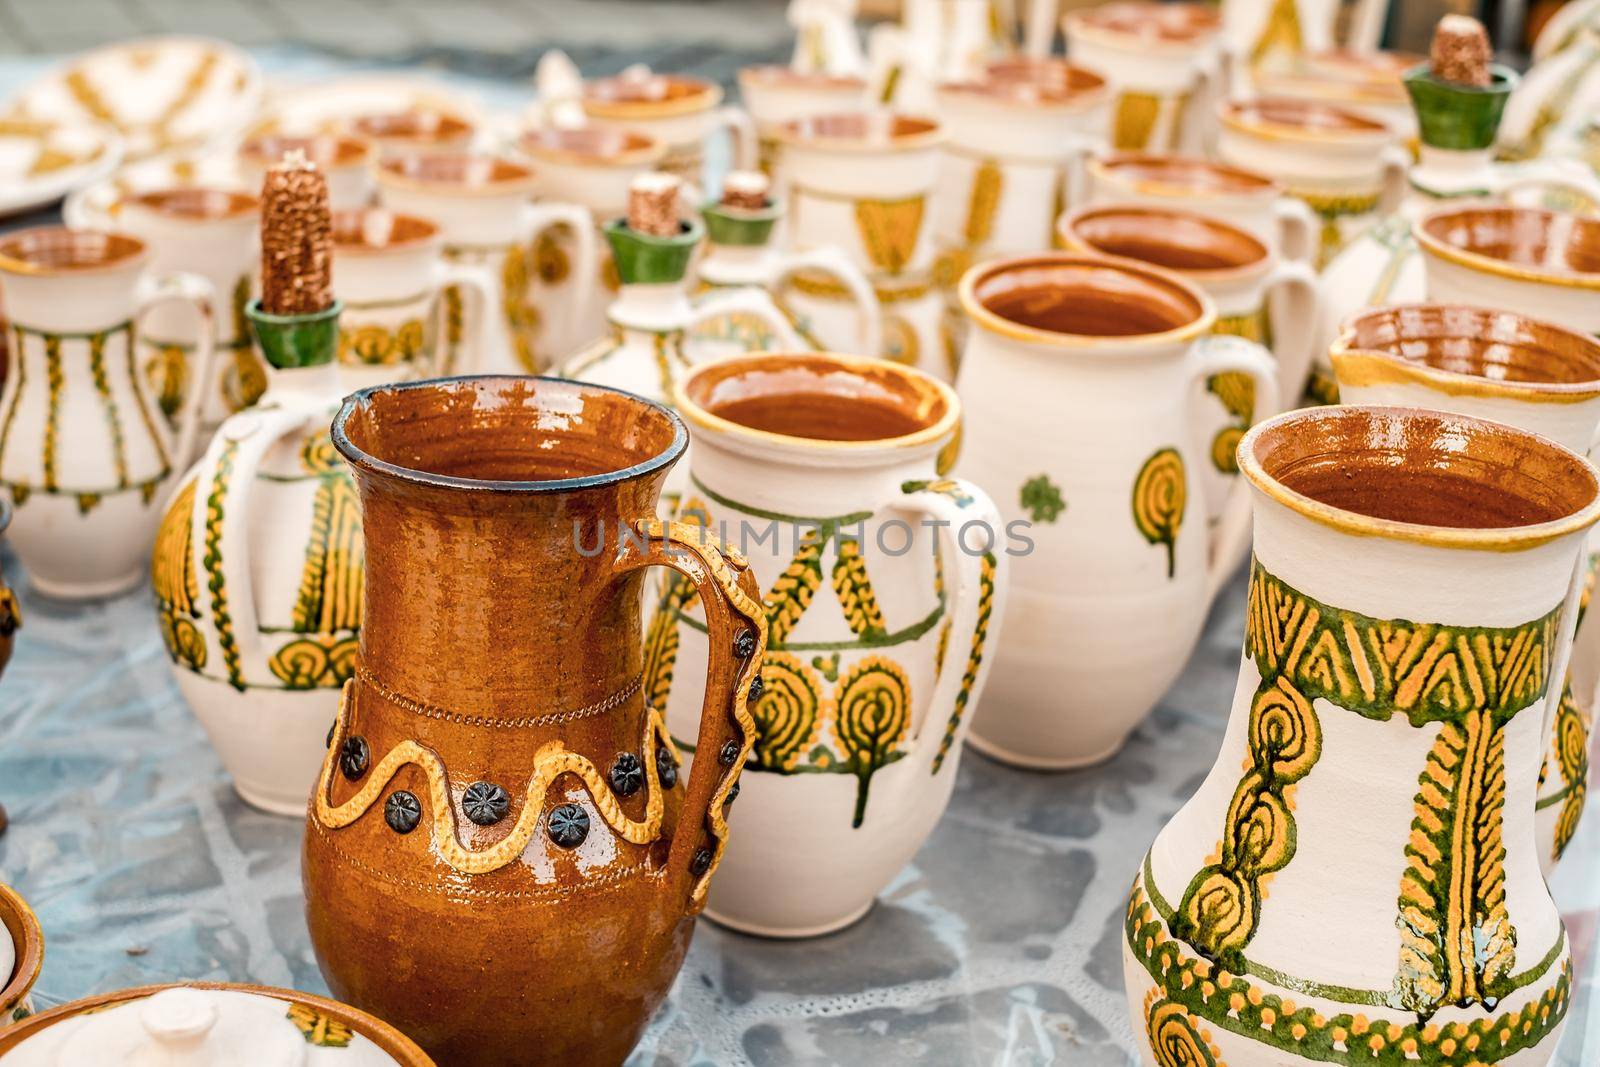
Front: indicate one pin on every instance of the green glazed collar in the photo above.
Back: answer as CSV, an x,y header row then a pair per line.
x,y
1459,117
745,229
291,341
645,260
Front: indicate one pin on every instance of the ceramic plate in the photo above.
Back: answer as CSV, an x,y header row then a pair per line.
x,y
327,107
160,93
95,206
40,162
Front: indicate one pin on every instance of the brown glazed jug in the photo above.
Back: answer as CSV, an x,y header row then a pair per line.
x,y
502,857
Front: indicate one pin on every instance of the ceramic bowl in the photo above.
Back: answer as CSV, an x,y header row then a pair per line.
x,y
21,955
40,162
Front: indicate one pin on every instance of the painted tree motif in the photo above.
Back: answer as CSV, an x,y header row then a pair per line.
x,y
872,716
788,714
1159,497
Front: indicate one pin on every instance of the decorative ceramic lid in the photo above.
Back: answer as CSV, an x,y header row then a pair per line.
x,y
207,1026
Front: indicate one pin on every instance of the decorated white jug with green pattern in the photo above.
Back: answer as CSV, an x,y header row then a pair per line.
x,y
1356,881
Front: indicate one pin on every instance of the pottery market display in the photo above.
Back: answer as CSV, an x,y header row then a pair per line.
x,y
1075,356
21,956
878,639
775,95
864,182
346,162
206,1024
86,454
482,206
1529,374
678,110
496,776
1410,600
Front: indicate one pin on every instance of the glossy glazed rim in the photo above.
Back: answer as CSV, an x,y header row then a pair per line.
x,y
1007,91
430,232
241,204
1376,366
358,149
29,946
1488,539
451,126
11,263
1083,21
919,381
395,173
1361,130
1106,167
1016,331
1504,268
706,95
776,75
396,1045
365,461
793,132
1066,229
638,147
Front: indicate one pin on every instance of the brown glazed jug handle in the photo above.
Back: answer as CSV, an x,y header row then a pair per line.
x,y
736,635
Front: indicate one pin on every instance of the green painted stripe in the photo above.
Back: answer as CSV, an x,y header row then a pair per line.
x,y
899,637
778,516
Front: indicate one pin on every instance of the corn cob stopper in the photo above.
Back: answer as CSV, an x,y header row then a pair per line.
x,y
653,205
296,239
746,190
1461,53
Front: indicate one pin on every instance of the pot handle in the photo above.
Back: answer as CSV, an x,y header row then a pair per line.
x,y
1219,354
831,260
1299,234
1293,301
1396,168
585,253
474,288
748,300
736,635
189,289
742,129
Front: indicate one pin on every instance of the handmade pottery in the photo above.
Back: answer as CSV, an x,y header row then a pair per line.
x,y
1367,83
21,956
1379,763
1558,95
1543,263
1348,169
1258,297
825,37
1564,27
41,161
211,233
1535,376
863,182
1266,35
1014,140
330,106
678,110
593,169
774,95
10,617
1162,61
1109,598
408,312
937,41
554,834
482,207
1244,198
345,161
207,1024
871,670
85,452
98,205
404,134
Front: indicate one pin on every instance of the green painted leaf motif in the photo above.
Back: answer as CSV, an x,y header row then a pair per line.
x,y
1041,499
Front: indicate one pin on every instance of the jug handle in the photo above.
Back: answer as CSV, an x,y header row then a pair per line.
x,y
1293,285
1396,180
742,130
1217,354
190,289
736,635
1299,235
748,300
831,260
585,255
976,605
477,298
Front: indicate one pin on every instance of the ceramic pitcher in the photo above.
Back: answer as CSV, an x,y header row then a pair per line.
x,y
1356,880
85,452
863,182
1079,385
416,131
1535,376
1557,98
775,95
344,160
1270,301
500,808
879,641
679,110
482,205
1367,83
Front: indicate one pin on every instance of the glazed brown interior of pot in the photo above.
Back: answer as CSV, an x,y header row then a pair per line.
x,y
1528,237
374,230
653,88
1022,80
1145,18
864,127
1187,173
1423,468
58,249
1498,345
325,150
504,429
1177,240
818,398
1302,115
587,142
1086,297
198,204
412,126
467,171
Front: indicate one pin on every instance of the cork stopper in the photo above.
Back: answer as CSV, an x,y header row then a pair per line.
x,y
1461,53
296,239
746,190
653,205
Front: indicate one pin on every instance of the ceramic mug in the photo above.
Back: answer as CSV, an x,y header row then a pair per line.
x,y
1162,63
482,205
1367,83
417,132
85,451
212,233
879,628
1078,385
863,182
1543,263
345,161
1349,169
1259,297
774,95
408,312
678,110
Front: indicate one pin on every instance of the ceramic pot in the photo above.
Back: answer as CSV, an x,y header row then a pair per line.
x,y
678,110
414,132
1356,879
593,169
1162,61
869,672
1370,84
212,233
453,818
1258,297
207,1024
408,311
21,956
86,514
344,160
774,95
1244,198
10,610
1348,169
1543,263
257,572
1529,374
482,206
1118,542
863,182
825,37
1558,95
